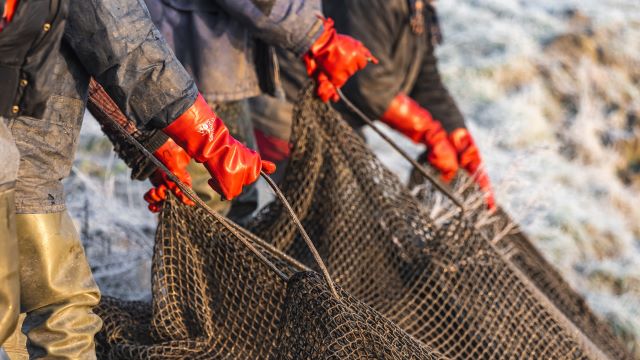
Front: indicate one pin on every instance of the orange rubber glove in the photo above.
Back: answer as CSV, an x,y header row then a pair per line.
x,y
408,117
176,160
7,14
333,59
470,160
206,139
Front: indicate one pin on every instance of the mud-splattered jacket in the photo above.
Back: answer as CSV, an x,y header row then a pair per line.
x,y
114,41
407,59
222,42
22,44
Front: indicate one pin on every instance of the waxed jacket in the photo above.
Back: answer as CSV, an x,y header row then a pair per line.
x,y
407,62
25,45
116,42
222,43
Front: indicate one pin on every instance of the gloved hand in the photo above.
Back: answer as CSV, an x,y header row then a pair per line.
x,y
470,160
7,14
415,122
206,139
333,59
176,160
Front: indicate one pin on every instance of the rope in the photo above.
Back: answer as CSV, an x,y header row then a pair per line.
x,y
303,232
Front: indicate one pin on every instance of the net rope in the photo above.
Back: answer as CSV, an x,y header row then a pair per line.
x,y
410,287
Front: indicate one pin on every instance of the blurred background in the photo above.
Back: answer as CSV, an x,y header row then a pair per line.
x,y
551,89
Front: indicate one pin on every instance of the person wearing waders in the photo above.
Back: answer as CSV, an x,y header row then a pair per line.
x,y
225,46
48,52
404,90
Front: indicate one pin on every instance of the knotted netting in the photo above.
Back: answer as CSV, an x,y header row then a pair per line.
x,y
409,287
515,246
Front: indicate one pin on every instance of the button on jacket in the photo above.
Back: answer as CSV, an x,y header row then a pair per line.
x,y
114,41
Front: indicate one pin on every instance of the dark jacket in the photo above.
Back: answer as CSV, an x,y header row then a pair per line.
x,y
407,60
220,41
25,46
116,42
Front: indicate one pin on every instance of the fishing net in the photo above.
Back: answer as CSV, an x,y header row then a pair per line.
x,y
514,245
409,287
213,298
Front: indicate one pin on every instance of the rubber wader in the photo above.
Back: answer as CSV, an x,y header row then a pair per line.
x,y
57,291
9,280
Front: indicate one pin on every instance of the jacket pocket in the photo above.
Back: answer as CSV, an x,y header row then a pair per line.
x,y
47,146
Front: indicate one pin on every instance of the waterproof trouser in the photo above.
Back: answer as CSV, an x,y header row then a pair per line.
x,y
16,345
272,119
57,291
9,273
9,280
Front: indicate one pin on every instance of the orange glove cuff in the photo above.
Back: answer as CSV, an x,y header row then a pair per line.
x,y
205,138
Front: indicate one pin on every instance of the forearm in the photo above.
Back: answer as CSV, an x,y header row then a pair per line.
x,y
119,46
113,122
431,93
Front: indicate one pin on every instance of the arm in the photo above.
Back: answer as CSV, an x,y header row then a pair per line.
x,y
330,58
291,24
373,88
431,93
110,118
120,47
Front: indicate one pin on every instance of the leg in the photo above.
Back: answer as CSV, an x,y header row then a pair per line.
x,y
272,119
57,288
9,280
16,344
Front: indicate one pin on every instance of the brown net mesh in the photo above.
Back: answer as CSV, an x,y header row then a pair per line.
x,y
410,287
213,299
516,247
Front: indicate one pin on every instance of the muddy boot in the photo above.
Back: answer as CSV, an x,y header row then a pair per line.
x,y
57,288
9,280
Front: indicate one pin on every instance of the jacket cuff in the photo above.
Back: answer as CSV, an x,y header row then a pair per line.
x,y
155,141
173,109
312,36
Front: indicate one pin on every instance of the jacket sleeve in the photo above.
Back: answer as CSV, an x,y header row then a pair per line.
x,y
373,88
432,95
120,47
291,24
